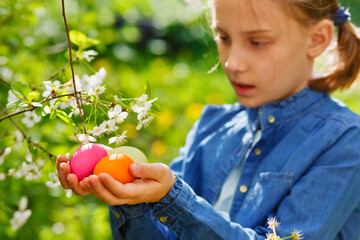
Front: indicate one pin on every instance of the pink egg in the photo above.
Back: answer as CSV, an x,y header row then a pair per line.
x,y
85,158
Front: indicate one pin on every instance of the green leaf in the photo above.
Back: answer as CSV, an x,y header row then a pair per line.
x,y
148,89
18,95
91,42
63,116
53,114
12,106
39,111
33,95
20,87
77,38
81,40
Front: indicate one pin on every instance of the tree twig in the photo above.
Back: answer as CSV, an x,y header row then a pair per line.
x,y
37,145
33,107
5,82
72,67
58,71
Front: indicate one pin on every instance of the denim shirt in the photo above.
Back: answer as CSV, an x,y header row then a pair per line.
x,y
305,170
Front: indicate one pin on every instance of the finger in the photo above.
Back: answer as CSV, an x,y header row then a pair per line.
x,y
63,169
85,184
156,171
116,187
99,190
74,185
130,193
63,172
60,159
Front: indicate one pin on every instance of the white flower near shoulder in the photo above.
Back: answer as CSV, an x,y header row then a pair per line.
x,y
118,140
30,119
272,236
89,55
21,216
117,114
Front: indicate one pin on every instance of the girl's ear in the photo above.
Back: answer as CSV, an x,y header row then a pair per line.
x,y
320,37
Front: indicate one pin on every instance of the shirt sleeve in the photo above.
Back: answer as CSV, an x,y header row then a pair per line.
x,y
137,222
191,217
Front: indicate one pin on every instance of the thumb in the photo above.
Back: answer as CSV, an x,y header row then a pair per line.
x,y
156,171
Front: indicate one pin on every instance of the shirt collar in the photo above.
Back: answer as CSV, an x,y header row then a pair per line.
x,y
278,112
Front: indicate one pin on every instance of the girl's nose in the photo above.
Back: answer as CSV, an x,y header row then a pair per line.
x,y
235,63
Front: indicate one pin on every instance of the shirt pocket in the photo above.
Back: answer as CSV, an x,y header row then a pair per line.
x,y
268,190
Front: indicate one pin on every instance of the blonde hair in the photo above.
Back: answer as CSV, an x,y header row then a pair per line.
x,y
347,67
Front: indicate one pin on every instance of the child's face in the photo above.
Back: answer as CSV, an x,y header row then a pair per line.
x,y
262,50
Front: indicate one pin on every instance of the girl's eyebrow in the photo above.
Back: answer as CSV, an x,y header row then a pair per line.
x,y
247,32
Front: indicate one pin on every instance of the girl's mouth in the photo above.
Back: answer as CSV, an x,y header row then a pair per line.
x,y
242,88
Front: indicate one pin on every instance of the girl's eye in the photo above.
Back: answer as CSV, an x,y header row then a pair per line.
x,y
258,43
223,38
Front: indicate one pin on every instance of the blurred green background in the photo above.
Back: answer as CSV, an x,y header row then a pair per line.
x,y
166,43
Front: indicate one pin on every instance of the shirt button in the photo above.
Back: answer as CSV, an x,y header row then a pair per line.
x,y
163,219
243,189
116,214
257,151
271,119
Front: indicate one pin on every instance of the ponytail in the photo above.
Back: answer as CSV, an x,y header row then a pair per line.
x,y
346,69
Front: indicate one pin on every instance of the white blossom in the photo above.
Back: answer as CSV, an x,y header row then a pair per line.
x,y
142,106
98,130
68,193
117,114
144,122
69,86
28,170
53,182
119,139
40,163
30,119
12,97
36,104
111,126
2,176
50,87
28,156
46,111
21,216
6,152
74,107
89,55
91,85
85,138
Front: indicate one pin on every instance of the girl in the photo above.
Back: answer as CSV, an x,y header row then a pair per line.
x,y
286,149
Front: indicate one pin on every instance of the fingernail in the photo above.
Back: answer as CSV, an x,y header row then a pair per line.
x,y
62,168
135,168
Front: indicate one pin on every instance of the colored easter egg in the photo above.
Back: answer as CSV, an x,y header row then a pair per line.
x,y
116,165
85,158
135,154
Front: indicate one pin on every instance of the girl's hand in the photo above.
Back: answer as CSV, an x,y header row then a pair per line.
x,y
154,181
67,179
